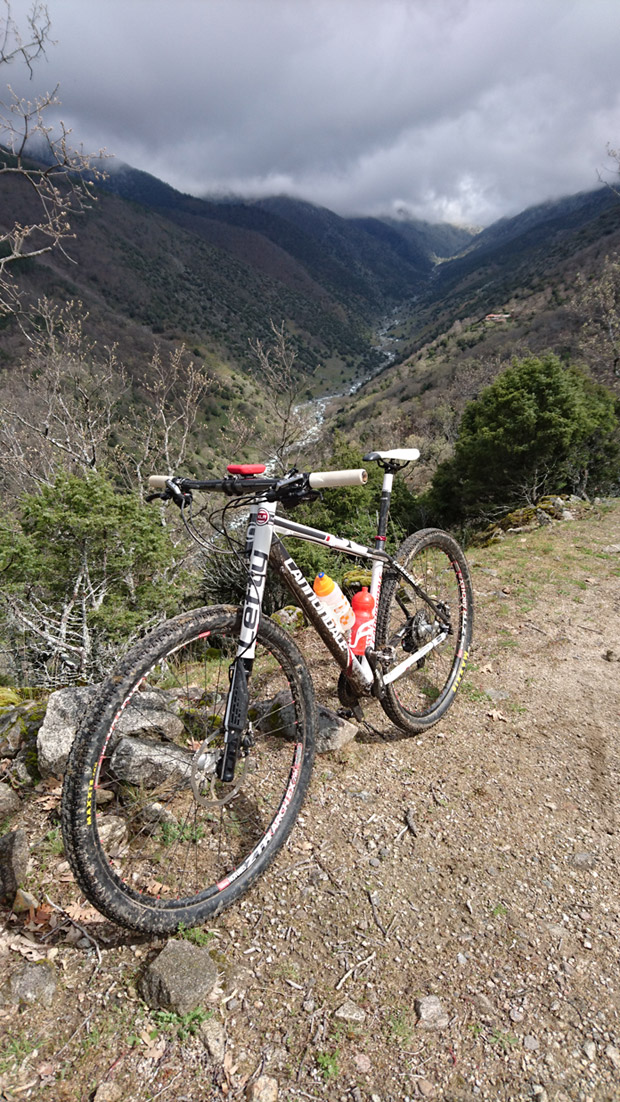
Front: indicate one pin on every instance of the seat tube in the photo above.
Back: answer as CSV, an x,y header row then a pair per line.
x,y
380,538
258,545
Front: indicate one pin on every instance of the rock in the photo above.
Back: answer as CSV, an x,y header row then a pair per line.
x,y
214,1036
112,831
154,711
611,656
516,1015
431,1014
582,860
590,1050
147,763
612,549
613,1054
33,983
153,813
542,517
426,1088
349,1012
263,1089
14,857
333,732
484,1006
531,1043
363,1063
461,958
9,801
12,732
108,1092
65,709
179,979
24,902
289,617
277,717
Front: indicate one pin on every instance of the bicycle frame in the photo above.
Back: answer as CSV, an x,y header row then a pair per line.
x,y
264,547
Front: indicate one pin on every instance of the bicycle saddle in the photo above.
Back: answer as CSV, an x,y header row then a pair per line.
x,y
399,455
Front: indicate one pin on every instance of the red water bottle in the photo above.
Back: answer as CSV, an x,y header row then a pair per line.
x,y
363,605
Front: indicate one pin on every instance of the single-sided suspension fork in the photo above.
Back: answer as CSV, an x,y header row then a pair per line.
x,y
257,548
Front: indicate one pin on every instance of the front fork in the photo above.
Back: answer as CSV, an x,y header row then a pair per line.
x,y
257,547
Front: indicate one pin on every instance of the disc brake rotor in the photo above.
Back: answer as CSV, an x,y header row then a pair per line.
x,y
204,779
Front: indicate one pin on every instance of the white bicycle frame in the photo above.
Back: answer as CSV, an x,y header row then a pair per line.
x,y
263,547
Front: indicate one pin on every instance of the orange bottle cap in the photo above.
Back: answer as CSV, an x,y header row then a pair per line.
x,y
323,585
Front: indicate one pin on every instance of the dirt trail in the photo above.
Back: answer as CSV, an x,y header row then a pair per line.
x,y
478,863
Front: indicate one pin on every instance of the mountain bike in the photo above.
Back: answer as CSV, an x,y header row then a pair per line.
x,y
193,759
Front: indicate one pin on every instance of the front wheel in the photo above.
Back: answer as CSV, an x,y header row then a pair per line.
x,y
155,839
435,617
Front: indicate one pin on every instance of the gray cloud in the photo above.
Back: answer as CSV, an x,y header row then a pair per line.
x,y
459,109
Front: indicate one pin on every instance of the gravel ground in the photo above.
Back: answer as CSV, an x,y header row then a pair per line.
x,y
477,864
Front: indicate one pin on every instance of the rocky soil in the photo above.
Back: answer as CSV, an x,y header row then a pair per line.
x,y
443,923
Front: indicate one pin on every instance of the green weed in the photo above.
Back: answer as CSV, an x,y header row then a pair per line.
x,y
195,935
400,1026
328,1064
185,1025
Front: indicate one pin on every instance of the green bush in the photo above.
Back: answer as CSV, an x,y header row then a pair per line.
x,y
83,568
541,427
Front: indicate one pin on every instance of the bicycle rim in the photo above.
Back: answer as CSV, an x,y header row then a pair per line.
x,y
155,839
407,622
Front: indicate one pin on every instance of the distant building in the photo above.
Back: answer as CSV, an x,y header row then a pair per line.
x,y
497,317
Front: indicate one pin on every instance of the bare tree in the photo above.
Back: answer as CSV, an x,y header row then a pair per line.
x,y
60,406
289,423
44,179
597,306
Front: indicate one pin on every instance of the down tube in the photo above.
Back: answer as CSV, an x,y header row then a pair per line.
x,y
294,579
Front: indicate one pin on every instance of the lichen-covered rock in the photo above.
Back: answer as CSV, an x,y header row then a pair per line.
x,y
179,979
290,617
14,857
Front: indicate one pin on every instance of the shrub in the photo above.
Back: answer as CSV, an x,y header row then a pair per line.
x,y
540,427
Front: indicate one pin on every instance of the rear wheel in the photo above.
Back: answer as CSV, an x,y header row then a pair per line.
x,y
407,622
154,838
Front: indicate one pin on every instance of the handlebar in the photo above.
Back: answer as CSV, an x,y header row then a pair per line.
x,y
294,486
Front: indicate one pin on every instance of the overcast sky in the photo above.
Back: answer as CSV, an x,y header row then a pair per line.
x,y
459,110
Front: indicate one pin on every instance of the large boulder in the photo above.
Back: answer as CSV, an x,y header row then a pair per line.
x,y
147,763
153,711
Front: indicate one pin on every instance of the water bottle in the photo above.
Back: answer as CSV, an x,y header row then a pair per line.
x,y
363,607
331,595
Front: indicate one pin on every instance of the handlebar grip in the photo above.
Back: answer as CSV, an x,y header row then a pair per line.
x,y
158,481
322,480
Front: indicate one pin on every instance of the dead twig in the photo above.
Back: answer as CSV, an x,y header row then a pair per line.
x,y
77,925
355,968
375,913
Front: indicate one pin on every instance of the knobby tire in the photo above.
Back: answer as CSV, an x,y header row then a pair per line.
x,y
421,696
145,851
